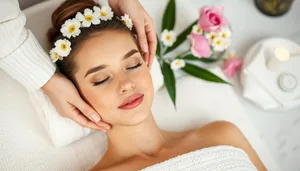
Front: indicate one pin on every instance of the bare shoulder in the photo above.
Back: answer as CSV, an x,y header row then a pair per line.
x,y
226,133
216,133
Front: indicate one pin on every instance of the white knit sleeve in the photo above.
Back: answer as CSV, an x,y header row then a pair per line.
x,y
21,56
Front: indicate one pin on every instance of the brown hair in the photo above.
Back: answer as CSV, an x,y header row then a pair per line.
x,y
68,10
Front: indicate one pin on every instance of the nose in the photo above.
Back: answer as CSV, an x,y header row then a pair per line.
x,y
126,86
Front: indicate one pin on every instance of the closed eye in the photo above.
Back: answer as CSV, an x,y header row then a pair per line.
x,y
101,82
135,66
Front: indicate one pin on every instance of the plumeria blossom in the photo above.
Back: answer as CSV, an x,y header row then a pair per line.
x,y
62,47
104,13
168,37
127,21
70,28
225,33
218,44
197,30
54,56
211,36
177,64
87,18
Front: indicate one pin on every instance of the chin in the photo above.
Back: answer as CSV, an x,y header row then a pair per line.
x,y
137,115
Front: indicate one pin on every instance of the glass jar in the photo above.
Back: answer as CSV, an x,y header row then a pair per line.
x,y
274,7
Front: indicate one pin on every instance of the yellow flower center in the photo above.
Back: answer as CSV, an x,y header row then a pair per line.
x,y
177,63
198,30
168,37
72,28
103,13
224,35
212,37
88,18
218,42
63,47
56,56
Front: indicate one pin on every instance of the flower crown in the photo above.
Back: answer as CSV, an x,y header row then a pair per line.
x,y
71,28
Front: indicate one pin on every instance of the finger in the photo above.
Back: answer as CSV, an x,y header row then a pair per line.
x,y
86,110
85,122
140,30
151,37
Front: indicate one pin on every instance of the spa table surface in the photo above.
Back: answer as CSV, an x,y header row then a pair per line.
x,y
279,130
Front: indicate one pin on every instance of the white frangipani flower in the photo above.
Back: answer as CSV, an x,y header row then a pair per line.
x,y
105,13
225,33
70,28
168,37
197,30
54,55
211,36
218,44
127,21
62,47
177,64
87,18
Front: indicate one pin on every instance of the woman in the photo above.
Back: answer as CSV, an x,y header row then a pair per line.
x,y
23,59
103,58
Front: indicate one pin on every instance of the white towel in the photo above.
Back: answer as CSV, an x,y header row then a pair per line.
x,y
217,158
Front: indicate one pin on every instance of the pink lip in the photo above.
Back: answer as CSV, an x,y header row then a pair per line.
x,y
132,102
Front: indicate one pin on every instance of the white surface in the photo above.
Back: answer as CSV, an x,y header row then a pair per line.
x,y
217,158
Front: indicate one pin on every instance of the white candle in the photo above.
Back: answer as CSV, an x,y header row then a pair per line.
x,y
281,55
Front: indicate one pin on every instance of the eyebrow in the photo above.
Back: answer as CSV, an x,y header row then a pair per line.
x,y
100,67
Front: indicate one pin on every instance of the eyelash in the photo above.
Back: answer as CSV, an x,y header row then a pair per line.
x,y
130,68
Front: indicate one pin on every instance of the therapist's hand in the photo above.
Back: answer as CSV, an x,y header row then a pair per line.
x,y
67,101
142,23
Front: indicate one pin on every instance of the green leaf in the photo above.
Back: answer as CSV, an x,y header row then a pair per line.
x,y
182,37
158,47
169,16
170,81
193,58
202,73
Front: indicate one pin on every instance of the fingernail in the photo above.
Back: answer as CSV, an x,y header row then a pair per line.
x,y
95,117
145,48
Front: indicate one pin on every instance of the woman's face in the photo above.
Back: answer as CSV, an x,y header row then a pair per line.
x,y
113,77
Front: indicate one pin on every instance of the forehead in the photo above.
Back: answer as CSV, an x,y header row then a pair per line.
x,y
104,47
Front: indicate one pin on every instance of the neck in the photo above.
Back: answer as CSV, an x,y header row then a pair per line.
x,y
144,139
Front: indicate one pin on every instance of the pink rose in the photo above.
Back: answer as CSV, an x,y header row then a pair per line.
x,y
231,66
200,46
212,19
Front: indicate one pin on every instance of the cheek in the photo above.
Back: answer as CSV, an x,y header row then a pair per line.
x,y
145,81
100,99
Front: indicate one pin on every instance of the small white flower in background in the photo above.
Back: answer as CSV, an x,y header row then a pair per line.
x,y
197,30
225,33
211,36
70,28
105,13
87,18
127,21
54,56
62,47
218,44
168,37
177,64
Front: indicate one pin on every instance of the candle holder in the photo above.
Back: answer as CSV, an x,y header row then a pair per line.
x,y
274,7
